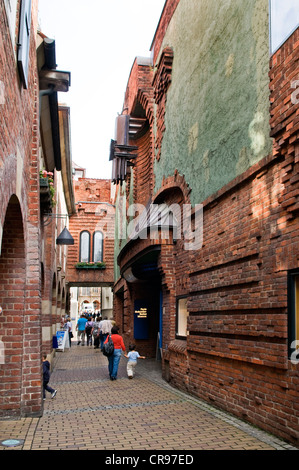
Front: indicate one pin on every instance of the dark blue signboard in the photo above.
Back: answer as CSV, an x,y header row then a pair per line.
x,y
141,319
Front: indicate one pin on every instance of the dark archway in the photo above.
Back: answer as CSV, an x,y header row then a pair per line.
x,y
12,299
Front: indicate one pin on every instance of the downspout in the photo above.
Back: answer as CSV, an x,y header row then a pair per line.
x,y
42,93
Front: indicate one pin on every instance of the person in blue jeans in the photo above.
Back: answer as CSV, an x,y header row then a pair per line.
x,y
113,360
46,378
80,327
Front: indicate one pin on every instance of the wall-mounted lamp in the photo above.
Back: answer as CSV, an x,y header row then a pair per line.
x,y
65,238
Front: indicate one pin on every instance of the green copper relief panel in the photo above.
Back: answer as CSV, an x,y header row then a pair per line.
x,y
217,110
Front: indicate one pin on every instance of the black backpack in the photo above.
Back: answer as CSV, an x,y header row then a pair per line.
x,y
108,348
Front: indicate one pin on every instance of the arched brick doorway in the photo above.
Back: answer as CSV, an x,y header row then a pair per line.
x,y
12,299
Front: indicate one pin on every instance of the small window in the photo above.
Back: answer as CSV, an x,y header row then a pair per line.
x,y
181,318
293,311
97,247
84,246
284,19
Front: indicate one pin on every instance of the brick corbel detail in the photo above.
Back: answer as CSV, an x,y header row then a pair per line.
x,y
161,83
144,97
284,120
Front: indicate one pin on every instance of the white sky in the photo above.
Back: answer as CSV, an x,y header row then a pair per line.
x,y
97,41
284,19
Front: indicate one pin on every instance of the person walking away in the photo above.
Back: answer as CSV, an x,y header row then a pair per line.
x,y
132,355
69,327
106,326
113,360
96,332
80,327
88,331
46,378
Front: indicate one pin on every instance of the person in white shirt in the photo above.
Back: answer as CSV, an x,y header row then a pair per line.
x,y
69,328
105,330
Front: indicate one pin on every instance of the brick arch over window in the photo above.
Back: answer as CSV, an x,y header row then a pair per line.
x,y
172,185
12,300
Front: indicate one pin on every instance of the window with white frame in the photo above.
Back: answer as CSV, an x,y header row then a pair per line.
x,y
24,41
97,255
84,246
284,19
181,318
85,253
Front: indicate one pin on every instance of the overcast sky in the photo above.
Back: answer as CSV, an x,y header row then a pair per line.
x,y
97,41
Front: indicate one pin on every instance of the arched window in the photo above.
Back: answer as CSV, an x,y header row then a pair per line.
x,y
97,255
84,246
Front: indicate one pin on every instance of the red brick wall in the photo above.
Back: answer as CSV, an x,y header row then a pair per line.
x,y
143,179
236,353
20,219
168,11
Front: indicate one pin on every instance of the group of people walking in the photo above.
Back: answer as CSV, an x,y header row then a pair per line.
x,y
93,329
99,330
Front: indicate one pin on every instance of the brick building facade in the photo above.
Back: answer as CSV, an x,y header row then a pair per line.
x,y
223,316
92,228
34,136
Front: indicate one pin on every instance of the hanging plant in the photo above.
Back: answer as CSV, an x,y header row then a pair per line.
x,y
46,180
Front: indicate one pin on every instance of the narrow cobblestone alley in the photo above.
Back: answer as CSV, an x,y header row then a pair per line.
x,y
141,414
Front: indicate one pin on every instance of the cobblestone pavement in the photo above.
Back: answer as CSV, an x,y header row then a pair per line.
x,y
145,413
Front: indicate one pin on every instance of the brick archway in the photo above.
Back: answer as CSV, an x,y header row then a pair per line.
x,y
12,300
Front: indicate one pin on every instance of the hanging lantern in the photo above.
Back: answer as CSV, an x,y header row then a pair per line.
x,y
65,238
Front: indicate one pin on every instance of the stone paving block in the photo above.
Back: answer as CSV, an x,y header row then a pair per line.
x,y
143,413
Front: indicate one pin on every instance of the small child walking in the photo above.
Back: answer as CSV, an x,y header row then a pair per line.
x,y
132,355
46,378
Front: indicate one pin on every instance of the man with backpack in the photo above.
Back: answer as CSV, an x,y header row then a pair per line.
x,y
96,332
88,330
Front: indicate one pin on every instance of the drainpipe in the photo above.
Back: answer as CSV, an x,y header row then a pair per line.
x,y
42,93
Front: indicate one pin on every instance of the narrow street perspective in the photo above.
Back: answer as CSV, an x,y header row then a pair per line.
x,y
149,205
93,413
